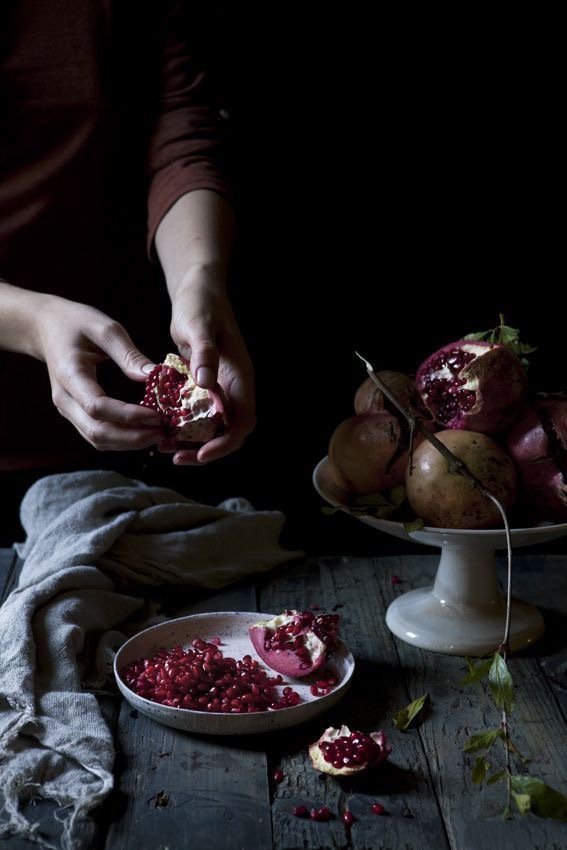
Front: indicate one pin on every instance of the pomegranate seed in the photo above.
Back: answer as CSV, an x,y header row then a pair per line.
x,y
378,808
278,776
201,679
322,814
348,818
396,580
300,811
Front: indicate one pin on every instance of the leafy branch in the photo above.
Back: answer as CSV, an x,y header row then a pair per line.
x,y
529,794
503,334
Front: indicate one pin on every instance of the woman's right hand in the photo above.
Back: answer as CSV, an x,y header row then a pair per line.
x,y
72,339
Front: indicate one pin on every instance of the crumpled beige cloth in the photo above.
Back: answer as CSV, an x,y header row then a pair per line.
x,y
88,534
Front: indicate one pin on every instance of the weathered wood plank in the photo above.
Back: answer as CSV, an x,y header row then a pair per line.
x,y
178,790
472,816
403,785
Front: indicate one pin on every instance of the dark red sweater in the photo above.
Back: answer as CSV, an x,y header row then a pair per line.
x,y
105,122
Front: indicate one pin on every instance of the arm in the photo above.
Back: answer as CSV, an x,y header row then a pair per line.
x,y
193,242
71,339
191,230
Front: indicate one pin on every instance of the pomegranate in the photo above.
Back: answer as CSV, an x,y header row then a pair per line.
x,y
446,499
190,414
295,643
341,752
365,453
369,399
537,444
202,679
475,386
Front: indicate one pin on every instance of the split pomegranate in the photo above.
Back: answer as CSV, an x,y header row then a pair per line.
x,y
471,385
190,415
341,752
296,643
537,443
446,499
202,679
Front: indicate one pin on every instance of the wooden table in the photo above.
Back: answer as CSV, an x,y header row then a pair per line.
x,y
176,791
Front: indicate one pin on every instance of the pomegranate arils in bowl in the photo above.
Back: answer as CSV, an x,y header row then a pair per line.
x,y
202,679
190,415
295,643
341,752
473,385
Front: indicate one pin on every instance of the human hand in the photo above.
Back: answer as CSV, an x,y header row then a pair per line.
x,y
206,332
72,339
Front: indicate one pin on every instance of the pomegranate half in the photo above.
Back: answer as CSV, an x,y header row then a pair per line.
x,y
471,385
190,415
295,643
341,752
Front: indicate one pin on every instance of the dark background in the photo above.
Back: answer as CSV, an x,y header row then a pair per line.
x,y
397,188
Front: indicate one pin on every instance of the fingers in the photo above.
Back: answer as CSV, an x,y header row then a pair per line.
x,y
204,357
241,422
79,384
107,435
113,339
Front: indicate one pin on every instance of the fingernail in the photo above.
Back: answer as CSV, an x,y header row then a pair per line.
x,y
205,376
149,367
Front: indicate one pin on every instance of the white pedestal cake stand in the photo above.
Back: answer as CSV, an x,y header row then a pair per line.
x,y
464,611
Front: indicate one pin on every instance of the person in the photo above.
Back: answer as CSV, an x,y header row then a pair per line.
x,y
106,108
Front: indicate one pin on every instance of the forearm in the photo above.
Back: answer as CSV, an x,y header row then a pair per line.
x,y
18,309
195,238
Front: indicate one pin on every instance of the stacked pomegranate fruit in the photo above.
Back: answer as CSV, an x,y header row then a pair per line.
x,y
474,396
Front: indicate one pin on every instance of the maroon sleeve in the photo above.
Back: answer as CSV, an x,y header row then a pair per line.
x,y
187,145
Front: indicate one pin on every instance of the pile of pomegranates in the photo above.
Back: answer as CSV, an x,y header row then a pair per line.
x,y
473,395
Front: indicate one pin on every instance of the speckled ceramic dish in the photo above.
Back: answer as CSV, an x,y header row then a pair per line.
x,y
232,628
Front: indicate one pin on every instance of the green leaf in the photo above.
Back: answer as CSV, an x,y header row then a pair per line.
x,y
496,777
406,716
398,495
501,685
414,525
545,802
503,334
477,671
371,500
480,335
523,802
482,740
480,769
329,511
506,813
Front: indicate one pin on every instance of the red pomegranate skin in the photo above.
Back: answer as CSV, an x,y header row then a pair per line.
x,y
537,443
317,637
474,386
446,499
363,452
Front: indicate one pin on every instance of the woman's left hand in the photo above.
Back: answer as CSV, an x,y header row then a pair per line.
x,y
205,330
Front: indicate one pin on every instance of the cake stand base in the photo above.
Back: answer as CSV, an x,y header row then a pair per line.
x,y
464,612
